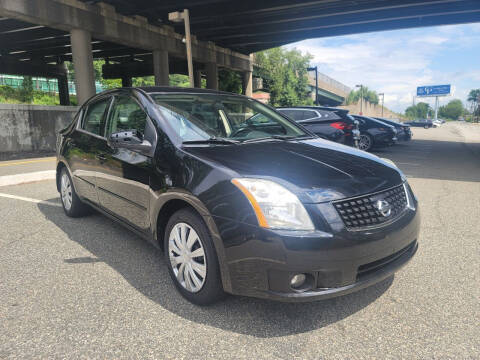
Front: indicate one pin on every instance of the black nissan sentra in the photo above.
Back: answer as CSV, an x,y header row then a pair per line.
x,y
241,199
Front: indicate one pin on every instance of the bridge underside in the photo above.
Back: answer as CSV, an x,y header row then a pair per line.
x,y
135,37
250,25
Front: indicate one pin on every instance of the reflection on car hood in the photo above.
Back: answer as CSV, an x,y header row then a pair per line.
x,y
316,170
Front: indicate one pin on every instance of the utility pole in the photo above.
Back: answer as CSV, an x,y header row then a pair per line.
x,y
361,98
315,68
184,16
436,107
383,100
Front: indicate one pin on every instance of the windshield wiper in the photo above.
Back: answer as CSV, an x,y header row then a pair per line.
x,y
278,137
212,140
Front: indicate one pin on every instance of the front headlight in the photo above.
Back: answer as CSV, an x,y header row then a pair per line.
x,y
274,206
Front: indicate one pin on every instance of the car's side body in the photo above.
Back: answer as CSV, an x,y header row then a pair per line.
x,y
404,132
425,123
328,123
381,133
142,188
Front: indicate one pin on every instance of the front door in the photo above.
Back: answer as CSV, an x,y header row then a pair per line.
x,y
86,146
123,180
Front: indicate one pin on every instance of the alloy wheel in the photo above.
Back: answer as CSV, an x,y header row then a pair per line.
x,y
187,257
364,143
66,191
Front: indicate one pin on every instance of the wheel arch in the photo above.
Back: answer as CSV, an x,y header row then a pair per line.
x,y
167,204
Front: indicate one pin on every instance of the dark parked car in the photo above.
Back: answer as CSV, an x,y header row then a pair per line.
x,y
241,199
425,123
374,133
404,133
328,123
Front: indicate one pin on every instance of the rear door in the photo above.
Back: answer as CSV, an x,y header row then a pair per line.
x,y
123,180
86,145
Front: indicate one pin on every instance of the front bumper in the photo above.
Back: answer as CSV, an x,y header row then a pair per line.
x,y
262,262
384,139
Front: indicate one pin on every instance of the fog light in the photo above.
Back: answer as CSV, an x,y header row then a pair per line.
x,y
297,281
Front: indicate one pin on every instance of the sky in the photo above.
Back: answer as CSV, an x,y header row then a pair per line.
x,y
396,62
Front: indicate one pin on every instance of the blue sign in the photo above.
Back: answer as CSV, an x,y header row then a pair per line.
x,y
435,90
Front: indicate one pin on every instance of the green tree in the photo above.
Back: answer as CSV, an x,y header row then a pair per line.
x,y
474,99
285,76
418,111
230,81
453,110
179,80
368,95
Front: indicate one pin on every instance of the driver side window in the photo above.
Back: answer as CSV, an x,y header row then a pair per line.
x,y
126,114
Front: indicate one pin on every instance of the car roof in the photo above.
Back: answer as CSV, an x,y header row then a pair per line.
x,y
166,89
371,119
327,108
173,89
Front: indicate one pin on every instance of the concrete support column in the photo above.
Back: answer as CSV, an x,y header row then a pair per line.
x,y
81,41
212,75
247,83
197,76
160,67
126,81
63,90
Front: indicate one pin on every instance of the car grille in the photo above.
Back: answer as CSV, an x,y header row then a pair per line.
x,y
363,211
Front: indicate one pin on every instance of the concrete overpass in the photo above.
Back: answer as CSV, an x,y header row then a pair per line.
x,y
136,38
330,91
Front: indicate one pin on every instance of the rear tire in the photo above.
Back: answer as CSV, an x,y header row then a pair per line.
x,y
72,205
191,258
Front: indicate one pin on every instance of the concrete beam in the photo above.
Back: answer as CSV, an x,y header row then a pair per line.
x,y
105,24
83,64
160,67
30,68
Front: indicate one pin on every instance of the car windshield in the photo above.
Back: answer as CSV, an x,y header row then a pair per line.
x,y
207,117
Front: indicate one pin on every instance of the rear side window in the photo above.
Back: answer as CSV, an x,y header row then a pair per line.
x,y
293,114
309,114
126,114
94,119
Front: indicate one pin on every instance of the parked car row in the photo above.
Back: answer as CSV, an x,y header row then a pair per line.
x,y
355,130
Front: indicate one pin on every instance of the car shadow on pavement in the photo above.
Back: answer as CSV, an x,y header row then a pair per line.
x,y
143,266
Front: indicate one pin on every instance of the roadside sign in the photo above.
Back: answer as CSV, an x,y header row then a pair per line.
x,y
434,90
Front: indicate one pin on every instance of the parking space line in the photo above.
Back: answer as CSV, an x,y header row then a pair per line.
x,y
9,196
18,179
27,162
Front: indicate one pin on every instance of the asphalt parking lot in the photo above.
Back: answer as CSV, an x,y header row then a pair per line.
x,y
86,288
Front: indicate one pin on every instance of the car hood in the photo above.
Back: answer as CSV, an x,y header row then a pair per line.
x,y
316,170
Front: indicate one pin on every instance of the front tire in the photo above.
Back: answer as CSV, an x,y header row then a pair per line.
x,y
72,205
191,258
365,142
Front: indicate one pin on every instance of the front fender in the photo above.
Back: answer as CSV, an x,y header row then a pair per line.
x,y
159,199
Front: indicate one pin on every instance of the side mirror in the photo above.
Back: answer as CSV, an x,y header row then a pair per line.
x,y
130,139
